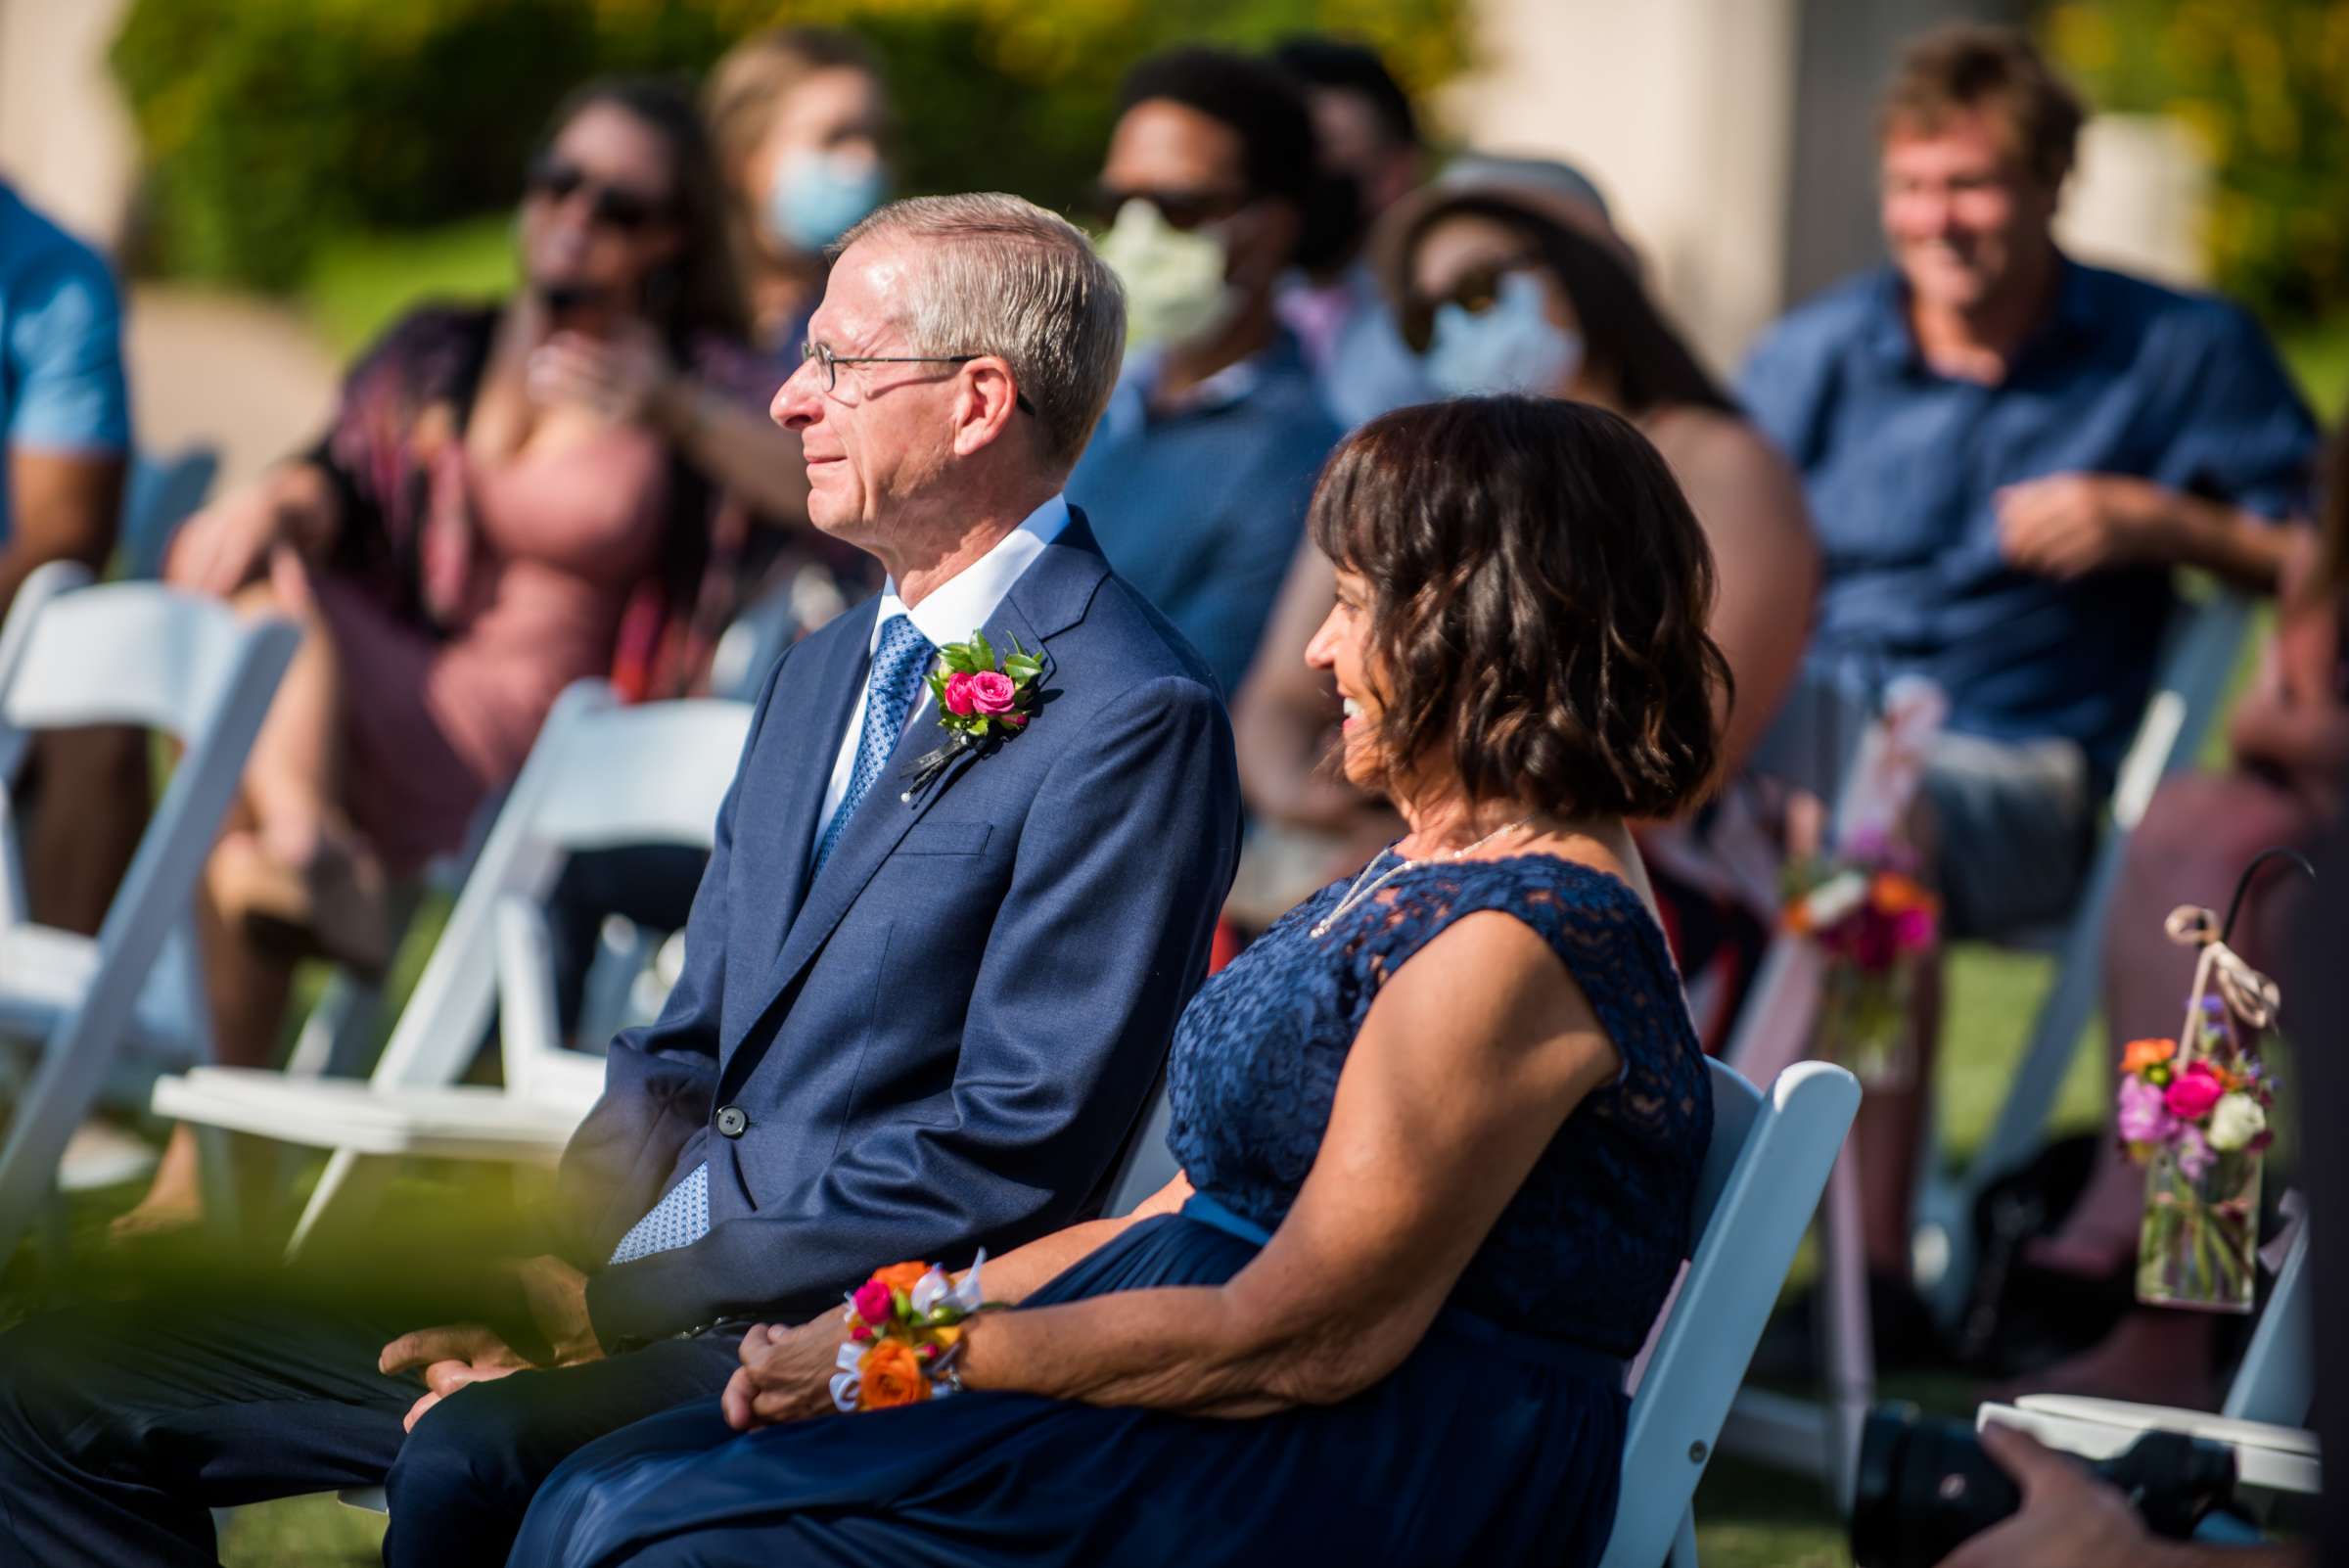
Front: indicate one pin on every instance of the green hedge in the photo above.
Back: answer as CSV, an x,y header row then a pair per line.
x,y
2264,85
271,125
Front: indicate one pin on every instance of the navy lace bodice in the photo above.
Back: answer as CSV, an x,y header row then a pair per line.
x,y
1589,1247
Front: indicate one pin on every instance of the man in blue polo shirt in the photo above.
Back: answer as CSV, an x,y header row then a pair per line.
x,y
64,416
65,439
2006,454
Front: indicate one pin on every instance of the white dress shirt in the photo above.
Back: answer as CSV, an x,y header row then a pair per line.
x,y
952,612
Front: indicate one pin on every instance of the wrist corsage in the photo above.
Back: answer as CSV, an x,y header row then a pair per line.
x,y
983,698
906,1327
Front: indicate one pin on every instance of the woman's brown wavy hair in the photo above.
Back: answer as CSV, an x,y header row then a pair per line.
x,y
1538,595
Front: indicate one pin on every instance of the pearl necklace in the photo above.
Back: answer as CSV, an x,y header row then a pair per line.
x,y
1359,892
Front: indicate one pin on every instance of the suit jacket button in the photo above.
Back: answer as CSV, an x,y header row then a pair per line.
x,y
731,1121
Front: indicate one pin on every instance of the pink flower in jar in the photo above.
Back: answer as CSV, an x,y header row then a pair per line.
x,y
958,695
2142,1115
992,693
2193,1092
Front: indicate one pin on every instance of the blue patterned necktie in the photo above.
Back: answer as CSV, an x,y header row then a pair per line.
x,y
682,1217
898,666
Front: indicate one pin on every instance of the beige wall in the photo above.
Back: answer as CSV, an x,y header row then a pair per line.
x,y
65,141
1680,109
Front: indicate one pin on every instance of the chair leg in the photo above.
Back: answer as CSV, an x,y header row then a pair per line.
x,y
217,1179
1847,1350
1683,1541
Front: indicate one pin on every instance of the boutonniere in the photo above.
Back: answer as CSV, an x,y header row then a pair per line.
x,y
983,700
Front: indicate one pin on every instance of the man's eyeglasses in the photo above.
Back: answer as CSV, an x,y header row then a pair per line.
x,y
1184,211
828,365
613,206
1475,291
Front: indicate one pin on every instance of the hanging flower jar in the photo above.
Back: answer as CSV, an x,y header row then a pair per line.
x,y
1874,926
2194,1110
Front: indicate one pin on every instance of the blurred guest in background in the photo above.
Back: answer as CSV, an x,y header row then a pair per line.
x,y
508,500
2007,453
1370,156
2290,739
1512,279
800,122
64,418
1201,465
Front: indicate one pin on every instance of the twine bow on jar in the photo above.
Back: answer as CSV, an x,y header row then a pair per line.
x,y
2250,995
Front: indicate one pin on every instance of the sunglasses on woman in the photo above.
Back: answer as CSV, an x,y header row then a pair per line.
x,y
613,206
1475,291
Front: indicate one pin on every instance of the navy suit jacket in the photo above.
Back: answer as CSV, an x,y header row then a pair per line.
x,y
946,1038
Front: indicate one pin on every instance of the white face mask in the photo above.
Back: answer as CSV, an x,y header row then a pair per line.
x,y
1175,288
1511,346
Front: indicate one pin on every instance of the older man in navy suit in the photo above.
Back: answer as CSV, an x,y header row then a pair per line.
x,y
923,1005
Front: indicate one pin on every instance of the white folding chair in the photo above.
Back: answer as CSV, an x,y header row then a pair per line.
x,y
1762,1176
143,654
159,494
600,775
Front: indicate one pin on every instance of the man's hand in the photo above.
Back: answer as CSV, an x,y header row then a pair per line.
x,y
459,1353
2069,1519
451,1357
2069,525
786,1373
557,1294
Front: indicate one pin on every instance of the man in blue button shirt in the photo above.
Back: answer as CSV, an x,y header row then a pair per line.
x,y
1200,470
2006,454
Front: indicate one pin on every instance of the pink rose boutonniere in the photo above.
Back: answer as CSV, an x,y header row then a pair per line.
x,y
983,700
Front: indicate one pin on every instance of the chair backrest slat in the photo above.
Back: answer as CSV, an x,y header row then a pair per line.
x,y
123,653
600,775
1761,1180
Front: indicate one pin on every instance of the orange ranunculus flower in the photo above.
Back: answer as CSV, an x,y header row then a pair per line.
x,y
901,1276
1895,894
2140,1054
890,1375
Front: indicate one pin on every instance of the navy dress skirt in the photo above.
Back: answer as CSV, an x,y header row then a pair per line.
x,y
1497,1442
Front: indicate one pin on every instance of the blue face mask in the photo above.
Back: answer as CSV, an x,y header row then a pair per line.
x,y
1509,347
815,198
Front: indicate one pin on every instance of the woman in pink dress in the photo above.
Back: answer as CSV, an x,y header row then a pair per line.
x,y
510,498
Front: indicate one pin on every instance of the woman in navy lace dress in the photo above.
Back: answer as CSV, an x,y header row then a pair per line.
x,y
1441,1126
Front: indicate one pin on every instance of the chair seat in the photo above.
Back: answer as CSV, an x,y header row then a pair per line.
x,y
44,972
457,1122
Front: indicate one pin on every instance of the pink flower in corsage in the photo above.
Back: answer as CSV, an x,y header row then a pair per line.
x,y
2193,1092
905,1326
871,1302
983,700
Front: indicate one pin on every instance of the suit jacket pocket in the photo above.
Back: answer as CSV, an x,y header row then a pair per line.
x,y
945,838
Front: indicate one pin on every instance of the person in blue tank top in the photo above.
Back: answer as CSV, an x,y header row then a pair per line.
x,y
1440,1127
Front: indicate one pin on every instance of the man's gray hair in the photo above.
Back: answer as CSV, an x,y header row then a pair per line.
x,y
1004,277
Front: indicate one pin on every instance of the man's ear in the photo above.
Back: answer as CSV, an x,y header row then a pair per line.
x,y
984,402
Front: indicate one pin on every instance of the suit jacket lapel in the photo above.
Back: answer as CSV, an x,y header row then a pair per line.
x,y
1050,598
837,685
